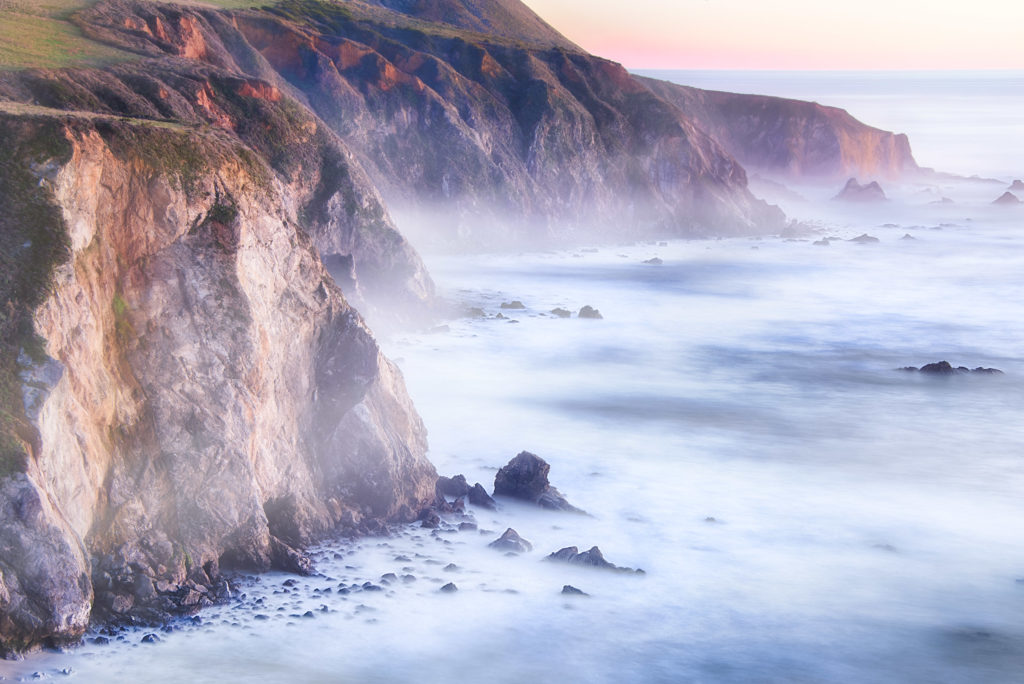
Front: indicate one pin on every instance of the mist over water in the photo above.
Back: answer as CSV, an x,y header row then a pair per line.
x,y
736,426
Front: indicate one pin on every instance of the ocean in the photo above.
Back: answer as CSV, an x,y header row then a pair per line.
x,y
736,425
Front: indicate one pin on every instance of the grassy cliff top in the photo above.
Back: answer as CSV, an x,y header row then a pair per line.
x,y
41,33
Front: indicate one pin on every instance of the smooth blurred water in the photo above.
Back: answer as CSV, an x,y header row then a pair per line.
x,y
865,523
965,122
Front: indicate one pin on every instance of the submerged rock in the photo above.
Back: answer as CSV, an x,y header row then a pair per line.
x,y
561,313
592,558
511,541
570,590
908,236
526,477
822,243
589,312
945,368
515,304
865,239
449,588
654,261
855,192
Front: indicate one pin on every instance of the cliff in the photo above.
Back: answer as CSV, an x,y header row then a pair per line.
x,y
197,392
791,138
478,138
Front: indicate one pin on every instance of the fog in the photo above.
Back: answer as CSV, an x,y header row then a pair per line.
x,y
735,425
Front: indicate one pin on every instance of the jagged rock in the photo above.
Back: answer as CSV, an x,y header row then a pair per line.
x,y
855,192
561,313
1017,186
478,496
865,239
284,557
908,236
449,588
570,590
592,558
1007,199
526,477
452,486
511,541
515,305
655,261
945,368
589,312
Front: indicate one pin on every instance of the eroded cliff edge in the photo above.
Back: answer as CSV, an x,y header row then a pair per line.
x,y
197,392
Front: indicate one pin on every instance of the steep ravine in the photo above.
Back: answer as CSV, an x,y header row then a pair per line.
x,y
206,395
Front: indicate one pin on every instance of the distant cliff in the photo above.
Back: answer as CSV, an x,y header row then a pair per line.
x,y
792,138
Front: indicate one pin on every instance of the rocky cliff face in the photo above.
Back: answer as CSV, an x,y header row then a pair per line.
x,y
482,138
791,138
204,394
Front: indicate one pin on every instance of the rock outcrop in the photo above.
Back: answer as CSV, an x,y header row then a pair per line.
x,y
592,558
855,192
946,368
197,392
1007,199
791,138
526,477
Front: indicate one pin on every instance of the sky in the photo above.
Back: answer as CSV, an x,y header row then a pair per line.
x,y
795,34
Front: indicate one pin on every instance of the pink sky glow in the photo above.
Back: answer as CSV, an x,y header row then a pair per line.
x,y
795,34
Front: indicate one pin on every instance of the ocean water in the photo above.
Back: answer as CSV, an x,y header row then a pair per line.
x,y
735,425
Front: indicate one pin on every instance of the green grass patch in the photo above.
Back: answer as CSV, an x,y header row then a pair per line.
x,y
33,242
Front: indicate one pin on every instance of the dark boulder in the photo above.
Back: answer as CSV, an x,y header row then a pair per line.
x,y
589,312
865,239
478,496
526,477
908,236
592,558
515,305
284,557
561,313
654,261
475,312
570,590
511,541
946,368
449,588
452,486
822,243
855,192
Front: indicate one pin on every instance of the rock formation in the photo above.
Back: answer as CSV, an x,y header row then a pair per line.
x,y
526,477
855,192
197,391
790,138
1007,199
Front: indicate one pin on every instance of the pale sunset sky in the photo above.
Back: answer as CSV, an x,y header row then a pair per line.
x,y
795,34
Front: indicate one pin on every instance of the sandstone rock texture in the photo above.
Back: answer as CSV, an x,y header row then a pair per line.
x,y
204,395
